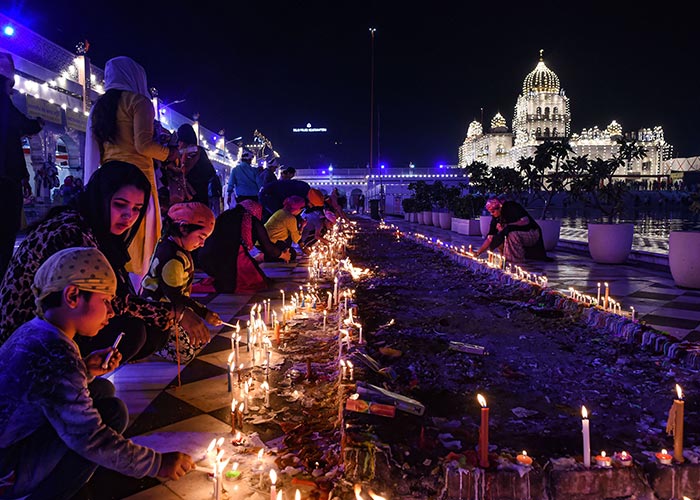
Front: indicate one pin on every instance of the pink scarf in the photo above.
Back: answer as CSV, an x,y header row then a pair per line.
x,y
252,209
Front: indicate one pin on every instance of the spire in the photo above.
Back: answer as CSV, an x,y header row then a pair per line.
x,y
541,55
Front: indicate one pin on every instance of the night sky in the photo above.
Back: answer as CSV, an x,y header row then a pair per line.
x,y
273,66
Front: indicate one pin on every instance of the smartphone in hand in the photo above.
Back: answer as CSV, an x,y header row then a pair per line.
x,y
105,363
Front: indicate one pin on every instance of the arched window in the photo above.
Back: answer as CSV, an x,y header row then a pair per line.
x,y
555,111
539,110
555,132
546,111
546,132
538,132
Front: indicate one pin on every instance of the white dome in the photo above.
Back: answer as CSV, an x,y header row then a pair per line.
x,y
475,129
541,79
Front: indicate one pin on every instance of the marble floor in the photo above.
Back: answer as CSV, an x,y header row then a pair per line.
x,y
186,414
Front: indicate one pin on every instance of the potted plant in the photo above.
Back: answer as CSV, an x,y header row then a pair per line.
x,y
481,182
421,193
465,211
548,173
595,184
683,252
409,209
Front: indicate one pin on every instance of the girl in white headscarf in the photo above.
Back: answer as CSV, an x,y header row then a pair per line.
x,y
120,127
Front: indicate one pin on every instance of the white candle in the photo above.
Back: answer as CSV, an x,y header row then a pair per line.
x,y
351,369
325,314
273,487
266,389
282,291
634,314
598,299
359,340
586,438
330,300
343,369
335,289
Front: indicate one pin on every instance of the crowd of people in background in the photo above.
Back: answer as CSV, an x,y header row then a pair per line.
x,y
113,263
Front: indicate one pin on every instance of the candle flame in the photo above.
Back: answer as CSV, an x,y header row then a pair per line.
x,y
273,476
241,406
260,453
374,496
624,455
679,391
482,400
265,386
602,454
357,488
230,358
279,495
584,412
219,442
297,495
664,452
524,453
234,466
211,445
234,403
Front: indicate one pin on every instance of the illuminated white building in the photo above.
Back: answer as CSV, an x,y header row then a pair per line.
x,y
542,112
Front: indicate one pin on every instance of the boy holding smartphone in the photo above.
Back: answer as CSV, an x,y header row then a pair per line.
x,y
54,431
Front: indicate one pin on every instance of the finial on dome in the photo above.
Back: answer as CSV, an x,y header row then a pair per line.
x,y
541,55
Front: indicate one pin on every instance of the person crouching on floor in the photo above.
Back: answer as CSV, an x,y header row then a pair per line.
x,y
170,276
54,431
514,228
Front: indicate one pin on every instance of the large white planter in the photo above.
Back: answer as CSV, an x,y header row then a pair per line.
x,y
458,225
610,243
485,225
683,253
445,219
436,219
550,232
428,217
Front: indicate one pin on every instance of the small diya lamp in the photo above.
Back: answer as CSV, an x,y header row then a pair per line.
x,y
624,459
524,459
664,457
238,439
234,474
603,460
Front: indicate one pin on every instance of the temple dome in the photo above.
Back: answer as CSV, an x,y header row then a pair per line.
x,y
541,79
498,123
614,129
475,129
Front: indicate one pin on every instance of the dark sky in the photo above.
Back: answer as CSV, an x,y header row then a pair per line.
x,y
273,66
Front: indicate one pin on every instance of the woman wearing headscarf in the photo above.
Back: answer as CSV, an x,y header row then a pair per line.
x,y
120,127
236,232
107,216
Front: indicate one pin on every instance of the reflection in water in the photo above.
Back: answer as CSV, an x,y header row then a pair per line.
x,y
651,227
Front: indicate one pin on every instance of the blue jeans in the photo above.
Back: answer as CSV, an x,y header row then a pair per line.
x,y
45,467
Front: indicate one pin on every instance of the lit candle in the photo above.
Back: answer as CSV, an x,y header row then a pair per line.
x,y
607,295
351,369
234,417
586,437
266,389
343,370
359,340
335,289
234,473
602,460
675,425
624,459
273,487
523,459
230,369
282,292
634,314
297,495
325,314
483,433
598,299
664,457
330,300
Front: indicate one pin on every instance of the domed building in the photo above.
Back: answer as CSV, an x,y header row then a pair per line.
x,y
542,112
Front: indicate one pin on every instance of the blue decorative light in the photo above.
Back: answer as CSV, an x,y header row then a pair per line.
x,y
330,168
382,166
8,30
442,166
323,171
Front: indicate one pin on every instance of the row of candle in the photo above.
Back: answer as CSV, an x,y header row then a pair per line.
x,y
674,427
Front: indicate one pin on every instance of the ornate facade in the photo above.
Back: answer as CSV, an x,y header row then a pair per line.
x,y
542,112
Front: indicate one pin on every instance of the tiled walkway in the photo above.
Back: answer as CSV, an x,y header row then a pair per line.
x,y
188,417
